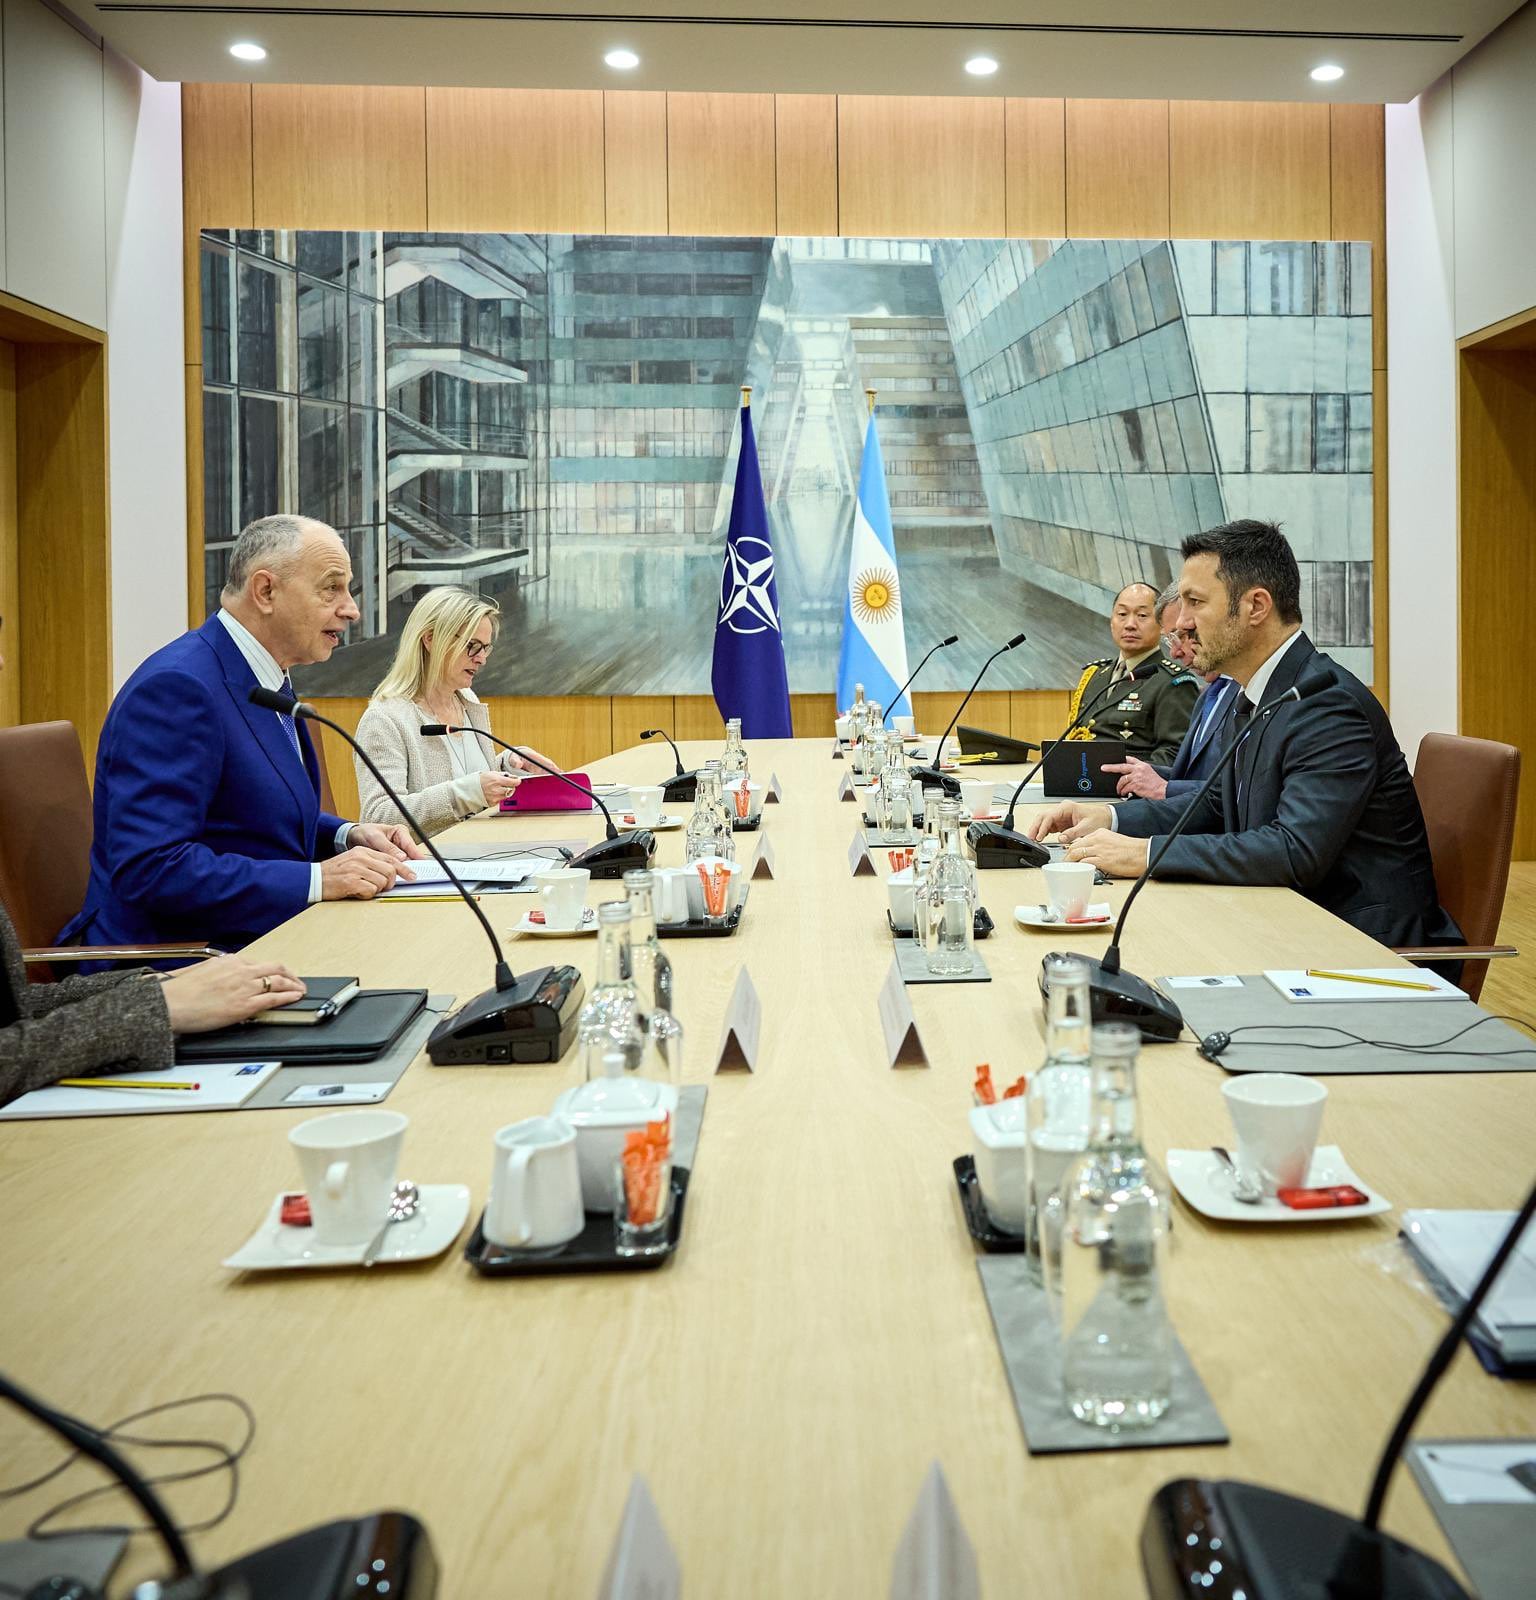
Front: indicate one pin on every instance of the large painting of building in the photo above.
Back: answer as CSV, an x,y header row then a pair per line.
x,y
552,420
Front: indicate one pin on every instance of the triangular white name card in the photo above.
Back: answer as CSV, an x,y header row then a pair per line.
x,y
762,862
935,1559
903,1045
642,1564
743,1026
845,788
775,792
859,863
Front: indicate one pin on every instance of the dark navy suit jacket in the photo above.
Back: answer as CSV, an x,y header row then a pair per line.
x,y
206,824
1202,746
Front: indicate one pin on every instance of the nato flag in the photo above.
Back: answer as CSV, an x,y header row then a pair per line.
x,y
750,679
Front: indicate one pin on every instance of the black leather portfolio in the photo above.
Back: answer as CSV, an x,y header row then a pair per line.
x,y
364,1029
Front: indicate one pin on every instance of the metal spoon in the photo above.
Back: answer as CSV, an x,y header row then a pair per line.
x,y
1245,1189
402,1205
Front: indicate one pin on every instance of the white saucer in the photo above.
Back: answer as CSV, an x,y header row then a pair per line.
x,y
1037,917
441,1213
663,824
1201,1178
537,930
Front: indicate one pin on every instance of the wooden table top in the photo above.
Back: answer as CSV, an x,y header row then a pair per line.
x,y
784,1383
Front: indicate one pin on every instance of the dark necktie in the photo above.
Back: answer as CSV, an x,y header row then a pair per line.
x,y
1239,723
290,725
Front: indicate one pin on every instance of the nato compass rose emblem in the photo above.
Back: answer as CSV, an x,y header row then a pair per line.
x,y
746,587
875,595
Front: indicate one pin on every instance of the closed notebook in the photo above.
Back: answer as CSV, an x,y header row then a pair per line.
x,y
550,794
323,998
372,1021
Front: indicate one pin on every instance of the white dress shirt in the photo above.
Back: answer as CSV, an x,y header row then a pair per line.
x,y
271,676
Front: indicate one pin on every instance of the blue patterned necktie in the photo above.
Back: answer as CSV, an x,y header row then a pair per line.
x,y
290,724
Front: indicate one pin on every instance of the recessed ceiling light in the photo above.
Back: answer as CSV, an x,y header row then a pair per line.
x,y
621,60
248,52
981,66
1327,73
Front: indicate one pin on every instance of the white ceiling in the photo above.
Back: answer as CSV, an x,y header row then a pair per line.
x,y
1112,49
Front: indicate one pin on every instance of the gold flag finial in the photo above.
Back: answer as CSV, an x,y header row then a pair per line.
x,y
746,394
869,394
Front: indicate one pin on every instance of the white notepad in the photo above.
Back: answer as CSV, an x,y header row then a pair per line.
x,y
222,1086
1304,991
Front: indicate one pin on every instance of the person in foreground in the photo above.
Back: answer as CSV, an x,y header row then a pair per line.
x,y
447,639
119,1021
1206,739
207,809
1149,705
1318,800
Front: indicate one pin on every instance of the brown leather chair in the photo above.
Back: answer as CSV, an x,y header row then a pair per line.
x,y
327,799
1467,789
45,846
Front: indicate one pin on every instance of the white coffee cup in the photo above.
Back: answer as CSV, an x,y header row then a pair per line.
x,y
693,885
535,1198
1069,883
899,887
669,892
645,805
1000,1132
976,796
562,895
906,726
349,1160
754,799
844,729
1276,1117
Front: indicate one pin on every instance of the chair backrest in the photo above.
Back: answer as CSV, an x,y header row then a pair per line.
x,y
45,828
1467,789
327,799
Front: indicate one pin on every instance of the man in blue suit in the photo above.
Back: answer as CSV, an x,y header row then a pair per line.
x,y
1206,736
207,808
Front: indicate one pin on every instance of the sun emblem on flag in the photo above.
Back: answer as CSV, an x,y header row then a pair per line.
x,y
876,595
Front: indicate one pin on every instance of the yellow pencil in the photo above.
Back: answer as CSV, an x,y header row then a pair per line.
x,y
118,1083
1385,983
420,899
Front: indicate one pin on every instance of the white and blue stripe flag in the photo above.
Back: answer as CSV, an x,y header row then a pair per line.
x,y
874,650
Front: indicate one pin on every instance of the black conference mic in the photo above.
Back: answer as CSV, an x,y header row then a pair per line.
x,y
531,1018
682,786
1117,996
998,844
615,855
943,644
931,777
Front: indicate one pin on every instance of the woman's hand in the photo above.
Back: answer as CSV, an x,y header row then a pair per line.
x,y
226,989
532,766
496,786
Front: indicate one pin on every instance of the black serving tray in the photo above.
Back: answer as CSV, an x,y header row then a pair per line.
x,y
982,925
592,1250
986,1233
746,824
702,930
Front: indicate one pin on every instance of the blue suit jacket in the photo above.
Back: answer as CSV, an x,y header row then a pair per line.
x,y
1202,746
206,825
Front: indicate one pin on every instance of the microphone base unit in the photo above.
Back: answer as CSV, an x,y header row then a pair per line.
x,y
932,778
683,786
1221,1539
1123,997
534,1021
612,858
993,845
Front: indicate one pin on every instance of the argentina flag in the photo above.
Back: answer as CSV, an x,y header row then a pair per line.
x,y
750,679
874,650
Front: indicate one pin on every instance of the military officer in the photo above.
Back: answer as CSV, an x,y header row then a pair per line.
x,y
1144,699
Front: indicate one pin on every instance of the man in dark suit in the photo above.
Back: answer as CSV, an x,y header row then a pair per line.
x,y
1319,799
207,808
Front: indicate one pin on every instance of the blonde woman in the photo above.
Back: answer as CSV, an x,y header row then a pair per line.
x,y
445,642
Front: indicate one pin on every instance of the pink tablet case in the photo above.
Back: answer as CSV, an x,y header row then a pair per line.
x,y
549,794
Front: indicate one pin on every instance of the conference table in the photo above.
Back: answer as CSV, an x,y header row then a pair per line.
x,y
784,1383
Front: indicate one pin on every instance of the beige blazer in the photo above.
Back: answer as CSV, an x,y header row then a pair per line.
x,y
419,769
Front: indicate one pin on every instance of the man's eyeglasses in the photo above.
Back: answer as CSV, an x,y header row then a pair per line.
x,y
478,650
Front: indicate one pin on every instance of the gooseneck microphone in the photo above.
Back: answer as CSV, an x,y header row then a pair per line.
x,y
1117,996
943,644
617,854
531,1018
682,785
998,844
931,777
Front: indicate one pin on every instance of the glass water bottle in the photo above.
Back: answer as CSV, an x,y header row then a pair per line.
x,y
949,896
1059,1105
1116,1339
922,864
709,831
649,963
733,764
609,1023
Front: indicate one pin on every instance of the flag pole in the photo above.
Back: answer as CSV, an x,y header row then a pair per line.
x,y
746,397
869,394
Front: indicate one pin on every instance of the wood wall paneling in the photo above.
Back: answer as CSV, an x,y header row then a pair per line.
x,y
633,713
721,177
1381,611
697,717
921,167
1497,441
568,728
635,161
813,716
216,180
989,709
1248,170
805,133
1117,169
1038,714
10,570
514,159
338,156
64,562
1358,201
1035,168
197,604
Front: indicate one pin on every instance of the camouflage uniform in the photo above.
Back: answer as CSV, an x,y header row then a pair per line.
x,y
1149,710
